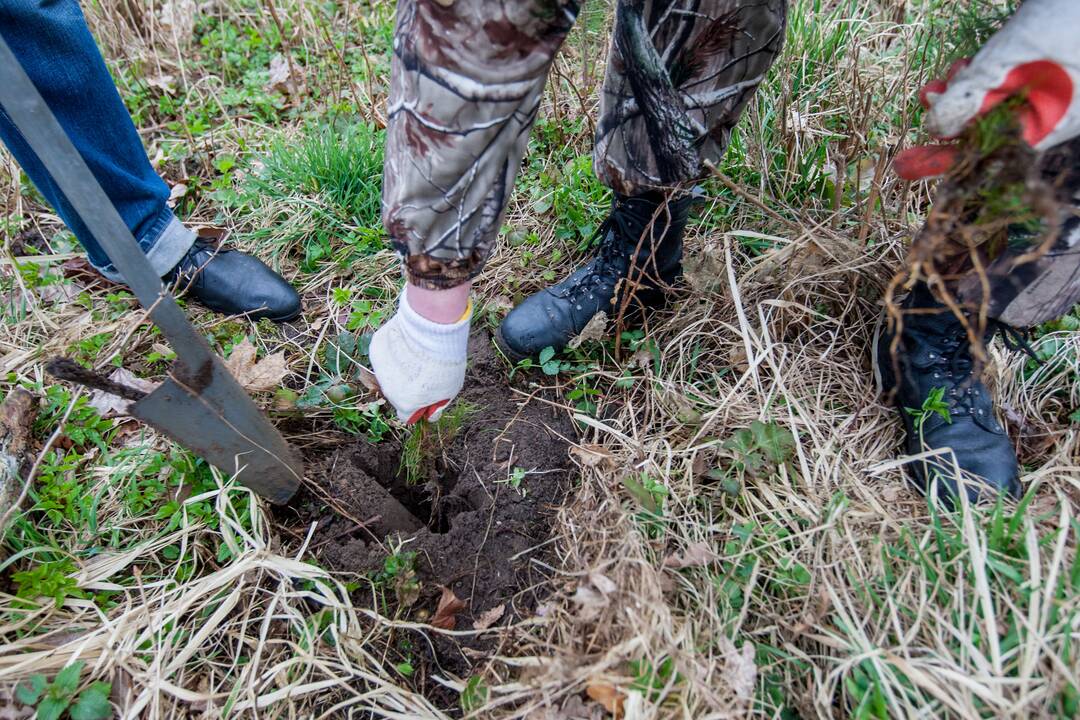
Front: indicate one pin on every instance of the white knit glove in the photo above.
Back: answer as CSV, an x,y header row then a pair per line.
x,y
1037,55
419,364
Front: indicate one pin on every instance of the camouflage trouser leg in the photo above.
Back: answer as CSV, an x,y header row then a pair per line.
x,y
465,88
678,78
1046,288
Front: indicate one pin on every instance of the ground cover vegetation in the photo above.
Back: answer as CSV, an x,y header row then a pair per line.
x,y
707,515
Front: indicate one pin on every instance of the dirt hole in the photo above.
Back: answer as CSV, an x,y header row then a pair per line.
x,y
475,519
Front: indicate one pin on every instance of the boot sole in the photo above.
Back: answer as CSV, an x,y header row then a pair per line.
x,y
504,347
650,302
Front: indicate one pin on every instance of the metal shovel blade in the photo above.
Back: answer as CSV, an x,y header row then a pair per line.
x,y
200,406
207,412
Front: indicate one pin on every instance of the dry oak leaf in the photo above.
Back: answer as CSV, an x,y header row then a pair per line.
x,y
594,330
446,613
266,374
607,695
696,554
489,618
592,456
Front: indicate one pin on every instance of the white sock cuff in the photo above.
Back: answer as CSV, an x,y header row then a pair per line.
x,y
437,340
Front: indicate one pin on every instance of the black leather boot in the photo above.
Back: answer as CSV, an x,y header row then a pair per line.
x,y
555,315
934,352
233,283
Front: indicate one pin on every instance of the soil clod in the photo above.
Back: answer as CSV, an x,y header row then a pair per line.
x,y
480,509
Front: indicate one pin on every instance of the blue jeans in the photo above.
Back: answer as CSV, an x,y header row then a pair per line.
x,y
52,42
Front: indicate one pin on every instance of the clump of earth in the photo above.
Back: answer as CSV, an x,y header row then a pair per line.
x,y
474,518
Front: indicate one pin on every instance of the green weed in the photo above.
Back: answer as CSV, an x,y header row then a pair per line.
x,y
53,699
475,694
651,496
51,579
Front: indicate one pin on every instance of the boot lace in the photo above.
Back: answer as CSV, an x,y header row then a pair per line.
x,y
954,365
618,235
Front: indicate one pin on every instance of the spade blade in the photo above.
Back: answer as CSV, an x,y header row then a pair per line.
x,y
207,411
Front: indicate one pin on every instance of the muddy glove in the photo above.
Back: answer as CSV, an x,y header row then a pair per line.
x,y
1036,55
419,364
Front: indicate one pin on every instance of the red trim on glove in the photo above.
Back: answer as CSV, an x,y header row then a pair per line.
x,y
425,413
1049,92
925,161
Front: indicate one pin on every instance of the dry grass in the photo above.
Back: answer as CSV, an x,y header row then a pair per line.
x,y
818,587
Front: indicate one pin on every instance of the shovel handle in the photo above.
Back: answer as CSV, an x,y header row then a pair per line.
x,y
63,368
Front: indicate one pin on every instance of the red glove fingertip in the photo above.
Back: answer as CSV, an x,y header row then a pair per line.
x,y
425,413
928,161
1049,92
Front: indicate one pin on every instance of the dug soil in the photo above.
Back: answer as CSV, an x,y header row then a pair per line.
x,y
477,519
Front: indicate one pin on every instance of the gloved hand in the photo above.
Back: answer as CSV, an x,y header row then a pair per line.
x,y
419,364
1036,55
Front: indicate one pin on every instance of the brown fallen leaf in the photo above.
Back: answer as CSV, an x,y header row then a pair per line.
x,y
593,456
279,74
178,191
700,465
80,270
607,695
265,374
283,76
368,379
446,613
595,329
696,554
17,415
489,618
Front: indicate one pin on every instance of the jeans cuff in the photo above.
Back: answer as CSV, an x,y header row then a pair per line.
x,y
164,248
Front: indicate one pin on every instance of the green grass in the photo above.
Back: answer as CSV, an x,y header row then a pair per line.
x,y
318,194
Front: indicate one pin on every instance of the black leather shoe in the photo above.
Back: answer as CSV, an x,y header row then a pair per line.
x,y
555,315
233,283
934,352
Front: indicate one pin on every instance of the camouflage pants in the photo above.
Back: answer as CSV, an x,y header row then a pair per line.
x,y
466,83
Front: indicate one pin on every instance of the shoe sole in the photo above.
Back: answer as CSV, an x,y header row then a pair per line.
x,y
648,304
252,315
284,318
504,347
